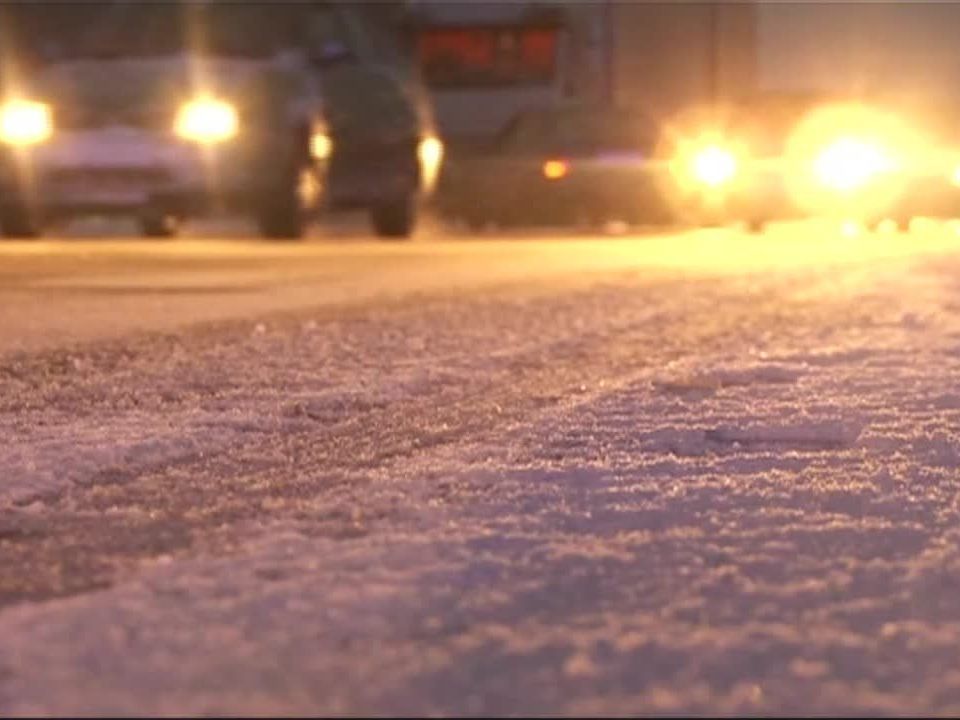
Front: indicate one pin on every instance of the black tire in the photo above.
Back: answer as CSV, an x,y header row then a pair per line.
x,y
396,218
159,225
281,215
19,222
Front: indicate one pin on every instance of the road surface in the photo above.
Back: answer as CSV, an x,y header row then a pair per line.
x,y
676,472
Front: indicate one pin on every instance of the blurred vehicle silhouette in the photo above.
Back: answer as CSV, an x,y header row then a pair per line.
x,y
563,164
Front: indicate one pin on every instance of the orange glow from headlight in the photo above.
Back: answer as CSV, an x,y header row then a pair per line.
x,y
714,166
24,122
955,176
705,163
851,160
556,169
849,163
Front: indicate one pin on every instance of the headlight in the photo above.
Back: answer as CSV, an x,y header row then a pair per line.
x,y
849,163
321,146
430,155
24,122
714,166
207,121
955,176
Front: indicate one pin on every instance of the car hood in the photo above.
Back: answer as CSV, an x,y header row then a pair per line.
x,y
94,91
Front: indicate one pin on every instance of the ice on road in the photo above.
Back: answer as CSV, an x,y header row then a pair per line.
x,y
604,486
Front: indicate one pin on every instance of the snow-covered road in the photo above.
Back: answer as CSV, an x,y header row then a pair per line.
x,y
692,473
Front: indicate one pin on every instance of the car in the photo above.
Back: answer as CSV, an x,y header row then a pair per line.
x,y
931,178
566,163
386,152
781,155
123,117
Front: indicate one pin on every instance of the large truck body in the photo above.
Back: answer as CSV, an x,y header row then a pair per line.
x,y
663,55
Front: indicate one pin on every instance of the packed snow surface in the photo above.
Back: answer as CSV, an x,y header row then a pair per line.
x,y
653,492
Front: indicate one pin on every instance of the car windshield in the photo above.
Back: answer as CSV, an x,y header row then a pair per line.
x,y
580,131
83,30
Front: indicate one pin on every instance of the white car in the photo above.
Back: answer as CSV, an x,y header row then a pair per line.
x,y
164,134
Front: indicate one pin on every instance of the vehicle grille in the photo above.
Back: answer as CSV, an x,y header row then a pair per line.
x,y
133,177
79,118
374,157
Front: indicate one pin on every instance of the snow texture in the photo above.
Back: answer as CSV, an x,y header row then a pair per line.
x,y
609,501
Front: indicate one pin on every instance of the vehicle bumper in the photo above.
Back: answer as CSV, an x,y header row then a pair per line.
x,y
527,196
373,173
122,170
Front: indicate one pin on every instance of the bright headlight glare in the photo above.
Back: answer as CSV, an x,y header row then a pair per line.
x,y
714,166
430,154
24,122
207,121
321,146
955,175
849,163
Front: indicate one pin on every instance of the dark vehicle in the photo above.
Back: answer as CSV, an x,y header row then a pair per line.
x,y
559,165
386,154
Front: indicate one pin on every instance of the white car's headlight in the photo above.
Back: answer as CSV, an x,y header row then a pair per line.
x,y
25,122
207,121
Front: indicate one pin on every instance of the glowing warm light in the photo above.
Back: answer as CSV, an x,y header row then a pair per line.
x,y
854,160
850,228
556,169
207,121
955,176
887,226
430,154
23,122
849,163
714,166
321,146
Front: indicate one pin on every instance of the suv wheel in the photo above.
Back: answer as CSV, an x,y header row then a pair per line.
x,y
395,218
282,212
18,221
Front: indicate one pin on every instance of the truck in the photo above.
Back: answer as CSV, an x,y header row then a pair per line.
x,y
487,64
